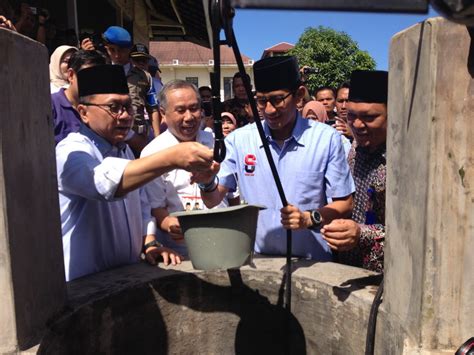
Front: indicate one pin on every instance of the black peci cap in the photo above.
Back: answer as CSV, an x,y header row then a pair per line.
x,y
102,79
369,86
276,73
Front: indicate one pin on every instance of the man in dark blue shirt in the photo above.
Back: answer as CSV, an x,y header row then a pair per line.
x,y
65,117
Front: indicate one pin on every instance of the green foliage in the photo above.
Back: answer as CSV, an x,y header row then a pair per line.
x,y
335,54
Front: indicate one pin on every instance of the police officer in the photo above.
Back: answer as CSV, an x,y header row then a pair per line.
x,y
141,58
118,43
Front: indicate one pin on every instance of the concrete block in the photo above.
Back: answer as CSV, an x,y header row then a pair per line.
x,y
430,177
32,286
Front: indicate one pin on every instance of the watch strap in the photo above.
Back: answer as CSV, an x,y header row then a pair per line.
x,y
153,243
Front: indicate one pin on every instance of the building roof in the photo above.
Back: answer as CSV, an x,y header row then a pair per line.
x,y
279,48
189,53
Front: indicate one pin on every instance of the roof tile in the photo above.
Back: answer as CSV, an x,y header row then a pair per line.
x,y
190,53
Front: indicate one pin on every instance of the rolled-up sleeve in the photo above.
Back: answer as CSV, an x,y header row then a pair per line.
x,y
81,173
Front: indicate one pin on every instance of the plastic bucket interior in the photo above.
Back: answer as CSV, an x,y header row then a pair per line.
x,y
220,238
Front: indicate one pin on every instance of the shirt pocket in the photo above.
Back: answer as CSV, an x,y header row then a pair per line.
x,y
308,189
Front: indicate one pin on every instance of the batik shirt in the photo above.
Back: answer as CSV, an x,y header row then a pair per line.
x,y
368,170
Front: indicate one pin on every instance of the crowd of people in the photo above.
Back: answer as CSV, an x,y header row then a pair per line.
x,y
132,150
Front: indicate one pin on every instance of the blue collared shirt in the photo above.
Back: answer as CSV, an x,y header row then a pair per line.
x,y
99,231
313,169
65,117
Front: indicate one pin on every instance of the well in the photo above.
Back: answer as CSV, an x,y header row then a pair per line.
x,y
142,309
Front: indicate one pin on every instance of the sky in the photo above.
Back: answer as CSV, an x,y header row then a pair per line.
x,y
256,30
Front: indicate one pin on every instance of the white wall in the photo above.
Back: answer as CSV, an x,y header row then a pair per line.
x,y
169,72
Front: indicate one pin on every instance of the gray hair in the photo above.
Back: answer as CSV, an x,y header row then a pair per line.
x,y
175,85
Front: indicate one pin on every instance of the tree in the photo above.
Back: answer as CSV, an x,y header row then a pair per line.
x,y
335,55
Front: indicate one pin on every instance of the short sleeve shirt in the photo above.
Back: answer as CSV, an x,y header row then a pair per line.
x,y
312,167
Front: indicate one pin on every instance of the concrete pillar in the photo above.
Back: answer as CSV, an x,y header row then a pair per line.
x,y
32,286
429,262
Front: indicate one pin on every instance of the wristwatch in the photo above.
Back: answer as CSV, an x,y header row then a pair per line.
x,y
211,186
316,219
153,243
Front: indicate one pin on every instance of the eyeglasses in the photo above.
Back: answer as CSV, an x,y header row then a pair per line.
x,y
276,101
115,110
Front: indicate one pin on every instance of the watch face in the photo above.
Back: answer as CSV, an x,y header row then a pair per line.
x,y
316,217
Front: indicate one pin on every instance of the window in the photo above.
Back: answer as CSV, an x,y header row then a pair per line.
x,y
227,88
193,79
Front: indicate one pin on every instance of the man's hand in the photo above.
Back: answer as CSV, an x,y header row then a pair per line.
x,y
205,177
87,44
341,234
171,226
293,218
154,254
193,156
342,127
6,23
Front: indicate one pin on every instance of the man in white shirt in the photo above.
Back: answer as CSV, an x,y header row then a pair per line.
x,y
105,220
180,107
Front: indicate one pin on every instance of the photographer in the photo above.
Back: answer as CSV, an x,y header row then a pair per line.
x,y
32,22
6,23
304,72
6,14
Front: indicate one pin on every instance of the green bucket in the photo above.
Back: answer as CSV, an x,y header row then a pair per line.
x,y
220,238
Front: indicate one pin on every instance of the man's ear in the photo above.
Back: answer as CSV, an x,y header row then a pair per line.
x,y
162,114
70,75
300,92
82,109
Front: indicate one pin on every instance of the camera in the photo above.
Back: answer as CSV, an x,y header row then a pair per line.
x,y
308,70
207,108
98,42
38,11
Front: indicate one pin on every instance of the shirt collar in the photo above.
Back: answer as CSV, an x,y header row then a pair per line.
x,y
199,137
105,148
300,126
63,101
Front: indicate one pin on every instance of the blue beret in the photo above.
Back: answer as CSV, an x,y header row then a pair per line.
x,y
118,36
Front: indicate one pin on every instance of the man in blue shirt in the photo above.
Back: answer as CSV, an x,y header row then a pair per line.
x,y
64,102
309,158
105,220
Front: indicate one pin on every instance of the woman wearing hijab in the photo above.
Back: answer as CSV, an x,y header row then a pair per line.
x,y
314,110
229,123
58,67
